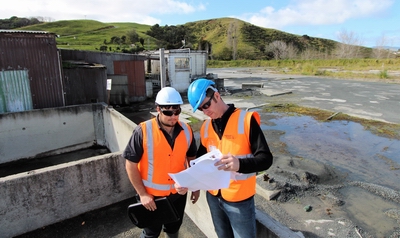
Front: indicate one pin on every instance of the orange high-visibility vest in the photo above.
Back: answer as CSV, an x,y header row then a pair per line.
x,y
235,141
159,159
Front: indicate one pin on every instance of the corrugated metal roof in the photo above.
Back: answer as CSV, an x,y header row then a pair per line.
x,y
24,31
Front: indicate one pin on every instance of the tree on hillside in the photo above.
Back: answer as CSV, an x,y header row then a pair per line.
x,y
171,37
155,31
115,40
281,50
132,36
379,51
350,45
225,54
254,35
123,39
16,22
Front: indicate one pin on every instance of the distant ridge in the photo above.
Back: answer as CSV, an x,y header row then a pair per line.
x,y
392,48
223,38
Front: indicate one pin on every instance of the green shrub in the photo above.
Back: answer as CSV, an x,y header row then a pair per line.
x,y
383,74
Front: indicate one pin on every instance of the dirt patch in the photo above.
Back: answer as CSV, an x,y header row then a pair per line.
x,y
323,186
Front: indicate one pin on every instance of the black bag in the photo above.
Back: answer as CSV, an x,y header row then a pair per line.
x,y
141,217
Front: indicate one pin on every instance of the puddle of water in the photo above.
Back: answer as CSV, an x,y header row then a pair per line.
x,y
345,145
369,211
351,149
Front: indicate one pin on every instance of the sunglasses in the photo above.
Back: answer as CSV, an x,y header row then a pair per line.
x,y
207,104
169,113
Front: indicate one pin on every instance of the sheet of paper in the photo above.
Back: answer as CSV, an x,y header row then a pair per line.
x,y
203,174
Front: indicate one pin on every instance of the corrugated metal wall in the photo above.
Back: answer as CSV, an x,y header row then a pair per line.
x,y
119,94
136,78
15,91
199,64
85,85
37,53
103,58
117,64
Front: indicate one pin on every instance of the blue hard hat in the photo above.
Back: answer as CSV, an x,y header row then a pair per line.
x,y
197,92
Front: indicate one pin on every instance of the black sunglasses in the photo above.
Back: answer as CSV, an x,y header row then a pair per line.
x,y
207,104
169,113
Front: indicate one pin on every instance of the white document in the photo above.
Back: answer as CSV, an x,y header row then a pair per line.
x,y
203,174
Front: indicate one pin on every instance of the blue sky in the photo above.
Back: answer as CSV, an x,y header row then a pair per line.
x,y
370,22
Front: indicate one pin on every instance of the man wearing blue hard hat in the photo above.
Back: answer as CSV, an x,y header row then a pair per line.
x,y
238,135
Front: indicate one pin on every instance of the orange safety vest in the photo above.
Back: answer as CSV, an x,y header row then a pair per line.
x,y
235,141
159,158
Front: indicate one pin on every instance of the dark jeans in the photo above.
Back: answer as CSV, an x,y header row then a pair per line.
x,y
179,201
233,219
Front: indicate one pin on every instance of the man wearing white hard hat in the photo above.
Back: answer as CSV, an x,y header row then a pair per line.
x,y
157,147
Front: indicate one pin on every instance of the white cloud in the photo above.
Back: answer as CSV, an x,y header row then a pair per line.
x,y
316,12
139,11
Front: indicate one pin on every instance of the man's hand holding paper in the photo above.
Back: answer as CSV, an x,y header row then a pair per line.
x,y
203,174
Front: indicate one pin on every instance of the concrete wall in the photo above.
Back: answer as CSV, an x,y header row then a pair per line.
x,y
45,132
45,196
51,131
118,130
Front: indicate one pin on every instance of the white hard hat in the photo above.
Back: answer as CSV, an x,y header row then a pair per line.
x,y
169,96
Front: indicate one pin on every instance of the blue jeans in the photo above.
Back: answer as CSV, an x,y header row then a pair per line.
x,y
233,219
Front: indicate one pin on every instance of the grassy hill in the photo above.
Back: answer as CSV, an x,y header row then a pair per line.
x,y
90,34
251,40
223,38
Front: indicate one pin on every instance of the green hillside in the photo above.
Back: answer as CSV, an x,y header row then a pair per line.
x,y
91,35
250,40
223,38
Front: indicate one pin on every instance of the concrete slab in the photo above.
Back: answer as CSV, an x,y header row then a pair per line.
x,y
273,92
187,109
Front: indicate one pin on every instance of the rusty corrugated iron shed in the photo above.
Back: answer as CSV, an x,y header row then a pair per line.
x,y
36,52
136,78
84,82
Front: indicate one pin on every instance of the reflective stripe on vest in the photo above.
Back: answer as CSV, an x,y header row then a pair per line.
x,y
240,130
235,140
150,155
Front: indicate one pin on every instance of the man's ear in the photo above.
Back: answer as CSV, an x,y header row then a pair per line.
x,y
217,95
